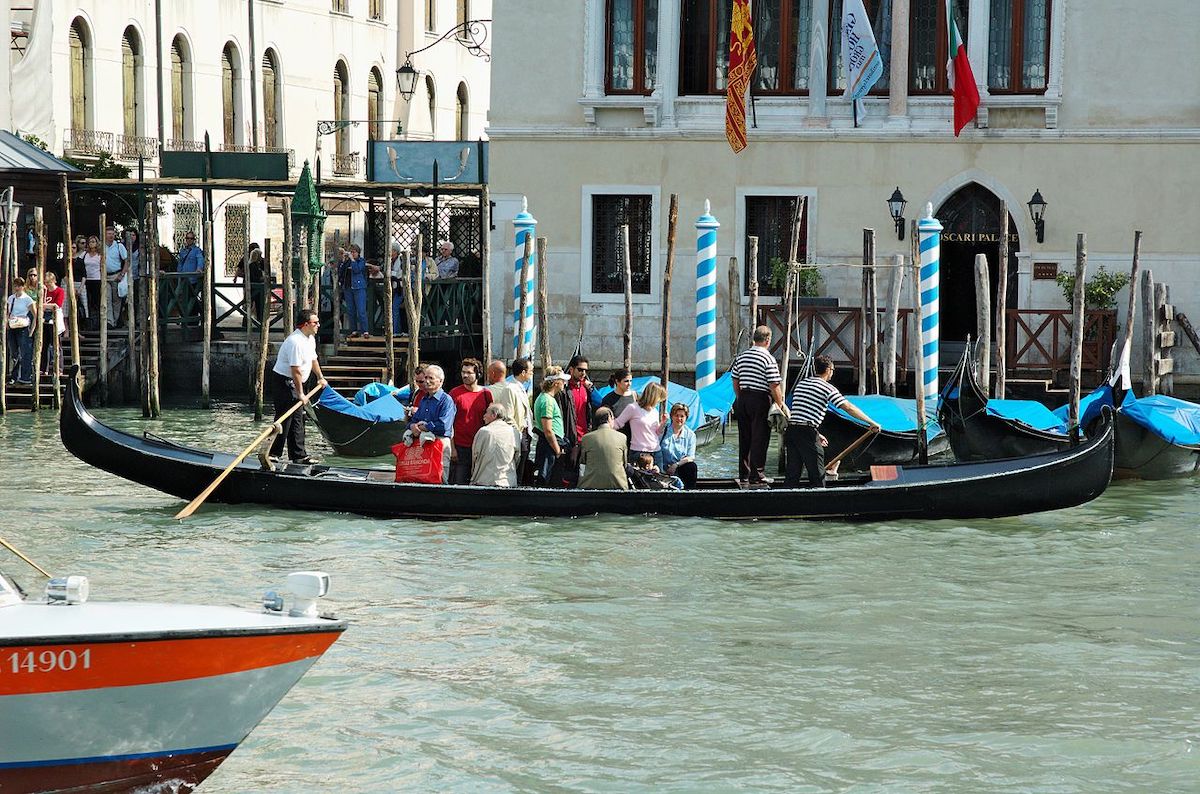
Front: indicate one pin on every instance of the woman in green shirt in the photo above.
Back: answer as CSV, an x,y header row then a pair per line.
x,y
548,425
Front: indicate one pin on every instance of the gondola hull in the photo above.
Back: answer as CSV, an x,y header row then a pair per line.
x,y
887,448
1145,455
353,436
963,491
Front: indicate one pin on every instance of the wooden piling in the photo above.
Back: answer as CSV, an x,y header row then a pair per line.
x,y
152,326
131,359
1077,333
485,265
102,312
752,286
413,300
206,306
247,294
72,298
264,330
790,288
672,228
39,328
1001,337
1149,323
983,321
542,309
335,293
520,351
890,322
5,278
627,335
1164,339
287,263
389,295
735,307
1131,307
871,310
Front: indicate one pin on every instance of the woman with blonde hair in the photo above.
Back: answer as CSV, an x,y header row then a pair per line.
x,y
645,423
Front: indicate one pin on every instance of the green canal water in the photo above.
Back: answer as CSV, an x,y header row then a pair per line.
x,y
1053,653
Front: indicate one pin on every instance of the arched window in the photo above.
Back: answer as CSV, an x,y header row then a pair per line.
x,y
460,114
429,89
272,98
181,90
131,81
81,66
230,79
341,106
375,104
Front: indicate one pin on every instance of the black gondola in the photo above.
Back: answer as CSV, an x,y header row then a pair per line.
x,y
970,490
977,434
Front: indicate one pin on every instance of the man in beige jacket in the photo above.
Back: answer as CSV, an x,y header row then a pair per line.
x,y
602,455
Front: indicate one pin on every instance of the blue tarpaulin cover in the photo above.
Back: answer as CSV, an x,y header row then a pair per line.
x,y
892,413
1089,406
1178,421
1028,412
384,409
675,394
373,391
717,397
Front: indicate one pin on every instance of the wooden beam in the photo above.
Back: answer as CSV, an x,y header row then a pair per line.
x,y
1001,306
983,323
543,311
1188,330
627,334
1164,366
890,329
1149,370
102,312
672,227
1077,305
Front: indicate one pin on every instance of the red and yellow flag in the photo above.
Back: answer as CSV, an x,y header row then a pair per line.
x,y
742,60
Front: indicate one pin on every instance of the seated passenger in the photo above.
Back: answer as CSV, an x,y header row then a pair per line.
x,y
602,455
679,447
494,450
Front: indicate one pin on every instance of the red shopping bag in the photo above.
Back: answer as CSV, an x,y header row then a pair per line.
x,y
419,462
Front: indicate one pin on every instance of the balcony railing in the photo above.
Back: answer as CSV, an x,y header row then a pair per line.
x,y
184,145
246,147
346,164
131,147
89,143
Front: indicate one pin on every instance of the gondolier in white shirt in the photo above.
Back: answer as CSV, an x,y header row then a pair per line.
x,y
756,383
805,445
296,361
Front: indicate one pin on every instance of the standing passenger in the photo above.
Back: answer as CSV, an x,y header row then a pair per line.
x,y
756,384
470,402
645,424
548,424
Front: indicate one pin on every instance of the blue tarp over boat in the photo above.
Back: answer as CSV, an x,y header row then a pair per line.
x,y
1028,412
1175,420
717,397
893,414
381,409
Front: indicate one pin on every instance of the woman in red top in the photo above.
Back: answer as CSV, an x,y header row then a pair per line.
x,y
52,303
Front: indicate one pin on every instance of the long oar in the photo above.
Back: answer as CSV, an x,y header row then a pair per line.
x,y
207,492
871,431
17,552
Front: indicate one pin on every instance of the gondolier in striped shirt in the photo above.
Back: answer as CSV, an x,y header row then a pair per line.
x,y
756,383
805,445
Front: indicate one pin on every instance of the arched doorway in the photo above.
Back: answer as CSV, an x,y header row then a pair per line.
x,y
971,225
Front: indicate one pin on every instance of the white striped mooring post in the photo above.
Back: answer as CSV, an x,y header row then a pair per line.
x,y
706,298
929,233
524,328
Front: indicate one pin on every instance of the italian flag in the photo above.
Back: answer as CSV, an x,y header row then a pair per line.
x,y
961,78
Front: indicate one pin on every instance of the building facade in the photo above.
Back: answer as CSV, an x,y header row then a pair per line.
x,y
629,108
315,79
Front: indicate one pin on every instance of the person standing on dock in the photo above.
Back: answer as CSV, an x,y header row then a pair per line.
x,y
756,384
297,360
805,445
396,274
356,270
446,262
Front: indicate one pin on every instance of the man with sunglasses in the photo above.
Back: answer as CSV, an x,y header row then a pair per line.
x,y
296,361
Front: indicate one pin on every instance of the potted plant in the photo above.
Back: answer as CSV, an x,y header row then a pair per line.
x,y
1099,292
809,283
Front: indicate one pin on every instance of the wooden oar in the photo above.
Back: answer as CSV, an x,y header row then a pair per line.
x,y
17,552
871,431
207,492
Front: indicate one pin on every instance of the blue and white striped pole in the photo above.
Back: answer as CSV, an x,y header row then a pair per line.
x,y
524,327
706,298
929,233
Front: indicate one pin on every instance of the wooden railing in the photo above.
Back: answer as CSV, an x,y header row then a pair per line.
x,y
833,331
1040,339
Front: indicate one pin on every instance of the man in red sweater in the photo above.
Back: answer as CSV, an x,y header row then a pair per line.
x,y
470,402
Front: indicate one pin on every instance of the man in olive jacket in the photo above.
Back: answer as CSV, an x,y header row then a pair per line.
x,y
602,454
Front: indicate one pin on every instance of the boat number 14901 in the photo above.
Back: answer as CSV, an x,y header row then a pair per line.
x,y
49,661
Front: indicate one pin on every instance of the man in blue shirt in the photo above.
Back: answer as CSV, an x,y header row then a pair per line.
x,y
435,414
359,272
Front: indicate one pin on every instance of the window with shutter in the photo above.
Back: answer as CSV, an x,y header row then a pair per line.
x,y
271,97
770,219
80,57
609,213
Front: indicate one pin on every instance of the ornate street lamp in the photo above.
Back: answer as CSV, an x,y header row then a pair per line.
x,y
1037,211
896,205
472,35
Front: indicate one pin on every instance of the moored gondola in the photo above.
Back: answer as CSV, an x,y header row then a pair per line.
x,y
1156,437
359,431
966,490
982,429
895,444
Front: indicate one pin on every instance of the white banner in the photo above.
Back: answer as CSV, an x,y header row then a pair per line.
x,y
860,53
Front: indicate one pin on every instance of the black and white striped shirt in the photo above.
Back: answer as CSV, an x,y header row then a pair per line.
x,y
810,398
755,369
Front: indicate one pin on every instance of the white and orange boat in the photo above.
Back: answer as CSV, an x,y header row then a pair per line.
x,y
115,696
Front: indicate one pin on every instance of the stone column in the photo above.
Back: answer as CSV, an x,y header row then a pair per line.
x,y
977,49
593,49
898,75
818,84
666,81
